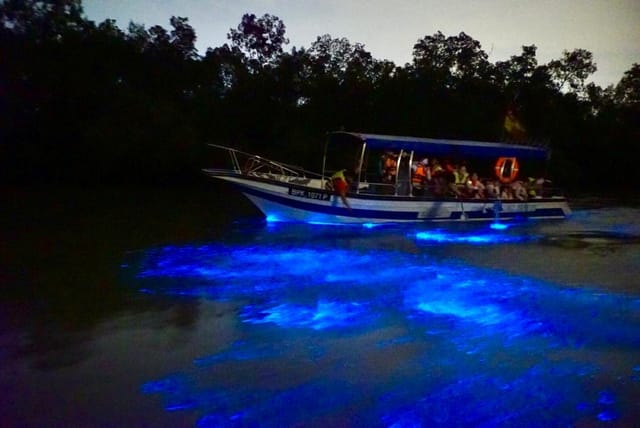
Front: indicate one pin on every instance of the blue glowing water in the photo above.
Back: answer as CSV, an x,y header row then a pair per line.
x,y
400,326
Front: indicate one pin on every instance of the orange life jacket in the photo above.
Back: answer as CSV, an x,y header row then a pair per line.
x,y
419,175
390,165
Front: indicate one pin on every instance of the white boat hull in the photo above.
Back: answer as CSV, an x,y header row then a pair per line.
x,y
284,201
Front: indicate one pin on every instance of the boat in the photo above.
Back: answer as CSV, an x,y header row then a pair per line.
x,y
284,192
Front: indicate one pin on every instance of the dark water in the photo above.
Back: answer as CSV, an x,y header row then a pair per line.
x,y
180,308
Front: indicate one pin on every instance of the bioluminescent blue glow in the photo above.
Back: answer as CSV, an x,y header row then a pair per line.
x,y
485,315
272,219
346,225
276,219
319,317
476,237
499,226
345,326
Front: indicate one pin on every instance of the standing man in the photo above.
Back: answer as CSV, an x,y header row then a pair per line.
x,y
340,186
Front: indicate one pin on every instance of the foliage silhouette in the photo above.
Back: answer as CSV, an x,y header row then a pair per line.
x,y
91,103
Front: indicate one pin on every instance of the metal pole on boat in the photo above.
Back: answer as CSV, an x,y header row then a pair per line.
x,y
234,160
410,173
359,171
398,171
324,161
463,215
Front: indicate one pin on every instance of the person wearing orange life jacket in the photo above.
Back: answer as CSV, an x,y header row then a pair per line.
x,y
421,172
421,175
389,167
340,186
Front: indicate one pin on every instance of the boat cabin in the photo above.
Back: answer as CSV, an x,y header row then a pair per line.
x,y
409,166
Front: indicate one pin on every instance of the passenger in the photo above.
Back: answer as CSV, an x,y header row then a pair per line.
x,y
340,183
438,180
461,176
450,166
506,193
492,190
389,167
447,180
436,168
421,175
424,162
475,188
534,187
519,191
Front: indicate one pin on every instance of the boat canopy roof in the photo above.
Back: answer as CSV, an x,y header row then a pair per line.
x,y
442,147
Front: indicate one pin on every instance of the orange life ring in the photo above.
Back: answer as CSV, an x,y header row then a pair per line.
x,y
507,169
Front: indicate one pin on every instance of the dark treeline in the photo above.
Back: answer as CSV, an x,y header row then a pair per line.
x,y
85,102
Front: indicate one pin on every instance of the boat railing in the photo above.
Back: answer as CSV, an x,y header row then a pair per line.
x,y
244,163
402,189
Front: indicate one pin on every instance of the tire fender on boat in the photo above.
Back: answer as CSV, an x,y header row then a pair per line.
x,y
507,169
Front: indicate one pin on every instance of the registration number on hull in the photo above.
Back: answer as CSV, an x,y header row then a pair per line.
x,y
309,194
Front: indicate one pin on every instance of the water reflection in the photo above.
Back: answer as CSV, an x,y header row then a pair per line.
x,y
385,327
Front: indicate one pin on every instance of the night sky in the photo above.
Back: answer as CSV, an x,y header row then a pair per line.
x,y
609,29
